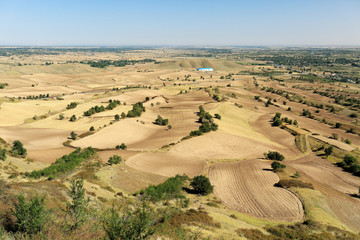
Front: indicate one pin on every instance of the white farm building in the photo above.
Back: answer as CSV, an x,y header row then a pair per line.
x,y
205,69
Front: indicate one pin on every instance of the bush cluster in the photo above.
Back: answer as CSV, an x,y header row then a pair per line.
x,y
137,110
207,123
112,104
350,164
274,156
64,164
71,105
170,189
114,160
161,121
18,149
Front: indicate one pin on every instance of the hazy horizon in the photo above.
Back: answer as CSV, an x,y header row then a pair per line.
x,y
210,23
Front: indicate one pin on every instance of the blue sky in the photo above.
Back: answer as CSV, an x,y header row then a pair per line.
x,y
197,22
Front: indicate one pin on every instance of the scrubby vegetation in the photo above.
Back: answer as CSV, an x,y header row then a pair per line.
x,y
288,183
2,154
64,164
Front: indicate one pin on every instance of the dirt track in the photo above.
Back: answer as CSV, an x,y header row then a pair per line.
x,y
249,188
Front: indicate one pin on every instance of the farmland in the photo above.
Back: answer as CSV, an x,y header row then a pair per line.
x,y
163,118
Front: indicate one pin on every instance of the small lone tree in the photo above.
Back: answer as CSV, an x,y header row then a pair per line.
x,y
202,185
328,151
338,125
31,215
18,149
73,118
92,129
76,208
117,117
73,135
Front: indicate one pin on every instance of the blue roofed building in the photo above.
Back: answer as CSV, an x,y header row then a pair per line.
x,y
205,69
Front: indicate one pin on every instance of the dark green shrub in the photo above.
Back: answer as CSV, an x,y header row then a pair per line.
x,y
171,188
276,166
64,164
274,156
202,185
161,121
18,149
114,160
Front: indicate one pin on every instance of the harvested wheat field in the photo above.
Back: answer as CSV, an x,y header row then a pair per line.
x,y
248,187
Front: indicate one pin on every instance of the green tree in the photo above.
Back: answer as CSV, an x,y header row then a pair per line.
x,y
132,223
73,118
18,148
276,166
274,156
202,185
31,215
329,150
117,117
92,129
122,146
338,125
76,208
73,135
114,160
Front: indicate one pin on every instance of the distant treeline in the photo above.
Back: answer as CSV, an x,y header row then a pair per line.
x,y
117,63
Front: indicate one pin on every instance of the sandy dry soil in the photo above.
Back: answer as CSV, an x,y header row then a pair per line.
x,y
35,139
190,156
248,187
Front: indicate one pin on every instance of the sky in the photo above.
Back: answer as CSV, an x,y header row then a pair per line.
x,y
179,23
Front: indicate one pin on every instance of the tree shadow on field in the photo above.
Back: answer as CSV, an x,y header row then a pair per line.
x,y
189,190
267,169
354,195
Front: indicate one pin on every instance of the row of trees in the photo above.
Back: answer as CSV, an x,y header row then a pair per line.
x,y
136,111
64,164
97,109
207,123
71,105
